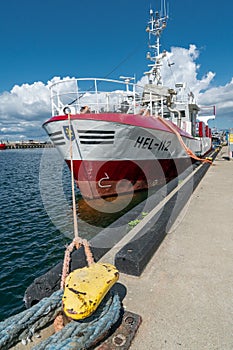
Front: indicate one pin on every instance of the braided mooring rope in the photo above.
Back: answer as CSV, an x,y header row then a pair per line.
x,y
79,335
75,335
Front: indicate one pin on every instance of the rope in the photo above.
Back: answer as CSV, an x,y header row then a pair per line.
x,y
72,182
186,148
83,334
77,241
24,325
66,262
68,251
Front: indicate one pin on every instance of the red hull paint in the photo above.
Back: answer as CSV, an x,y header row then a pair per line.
x,y
101,179
2,146
147,122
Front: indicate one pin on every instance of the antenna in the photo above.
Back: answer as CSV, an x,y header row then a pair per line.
x,y
127,81
155,27
165,10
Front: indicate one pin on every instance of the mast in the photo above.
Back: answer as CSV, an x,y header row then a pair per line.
x,y
155,27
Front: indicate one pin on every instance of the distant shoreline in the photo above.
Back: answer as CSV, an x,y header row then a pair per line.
x,y
28,144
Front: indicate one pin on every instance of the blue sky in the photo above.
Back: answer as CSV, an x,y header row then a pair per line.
x,y
41,40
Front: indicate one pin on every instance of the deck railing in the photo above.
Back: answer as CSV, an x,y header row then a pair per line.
x,y
99,95
104,96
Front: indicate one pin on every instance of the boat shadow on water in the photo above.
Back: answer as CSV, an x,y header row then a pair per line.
x,y
93,211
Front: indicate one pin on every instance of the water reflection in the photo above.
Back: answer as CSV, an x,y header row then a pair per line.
x,y
87,212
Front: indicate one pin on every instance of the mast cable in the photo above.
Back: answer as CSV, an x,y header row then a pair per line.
x,y
113,70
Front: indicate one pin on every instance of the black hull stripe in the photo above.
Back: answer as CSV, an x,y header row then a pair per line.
x,y
96,132
96,142
96,137
57,138
59,143
55,133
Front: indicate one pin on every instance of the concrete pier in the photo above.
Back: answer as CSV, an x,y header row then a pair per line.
x,y
28,144
185,294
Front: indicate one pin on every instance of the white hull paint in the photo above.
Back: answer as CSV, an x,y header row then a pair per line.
x,y
101,151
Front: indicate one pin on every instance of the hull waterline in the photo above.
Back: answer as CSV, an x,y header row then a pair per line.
x,y
112,158
121,177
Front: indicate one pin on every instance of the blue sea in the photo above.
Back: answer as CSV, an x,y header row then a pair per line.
x,y
36,220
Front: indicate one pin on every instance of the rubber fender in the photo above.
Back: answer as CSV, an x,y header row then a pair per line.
x,y
85,288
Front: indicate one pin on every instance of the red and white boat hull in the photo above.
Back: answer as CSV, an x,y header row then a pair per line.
x,y
115,154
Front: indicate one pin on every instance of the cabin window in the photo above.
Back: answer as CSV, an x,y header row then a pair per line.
x,y
166,115
182,114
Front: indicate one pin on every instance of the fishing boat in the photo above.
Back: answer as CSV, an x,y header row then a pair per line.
x,y
2,145
123,136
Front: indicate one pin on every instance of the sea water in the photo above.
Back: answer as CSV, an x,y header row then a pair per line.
x,y
30,242
36,219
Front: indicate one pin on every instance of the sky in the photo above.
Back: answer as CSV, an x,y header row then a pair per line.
x,y
45,40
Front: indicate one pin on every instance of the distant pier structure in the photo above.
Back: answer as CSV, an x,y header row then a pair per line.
x,y
28,144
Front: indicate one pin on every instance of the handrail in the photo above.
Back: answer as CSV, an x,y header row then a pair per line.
x,y
130,99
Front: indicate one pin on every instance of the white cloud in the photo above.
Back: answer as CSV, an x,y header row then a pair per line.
x,y
184,68
24,109
223,95
179,66
25,100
